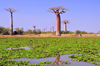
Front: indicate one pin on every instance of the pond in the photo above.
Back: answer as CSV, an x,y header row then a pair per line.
x,y
27,48
62,57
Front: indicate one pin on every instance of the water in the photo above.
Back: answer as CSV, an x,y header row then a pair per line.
x,y
20,48
62,57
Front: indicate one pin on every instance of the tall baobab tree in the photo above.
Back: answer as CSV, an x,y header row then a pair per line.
x,y
11,11
58,10
50,29
44,29
65,22
34,27
53,28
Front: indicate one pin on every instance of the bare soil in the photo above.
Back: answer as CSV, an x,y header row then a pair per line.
x,y
51,35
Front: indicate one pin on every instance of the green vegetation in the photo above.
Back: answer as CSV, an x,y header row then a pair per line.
x,y
18,31
67,32
80,32
4,31
83,48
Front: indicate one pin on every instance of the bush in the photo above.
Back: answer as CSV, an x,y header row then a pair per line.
x,y
38,31
83,32
34,32
29,31
80,32
4,31
77,32
18,31
15,33
66,32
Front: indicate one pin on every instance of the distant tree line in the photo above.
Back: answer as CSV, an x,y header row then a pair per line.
x,y
20,31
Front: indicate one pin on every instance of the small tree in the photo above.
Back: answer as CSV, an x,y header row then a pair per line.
x,y
77,32
38,31
34,32
34,27
65,22
29,31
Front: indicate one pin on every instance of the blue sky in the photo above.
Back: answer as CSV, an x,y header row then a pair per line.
x,y
84,15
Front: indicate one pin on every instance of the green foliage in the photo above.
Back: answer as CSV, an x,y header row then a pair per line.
x,y
66,32
38,31
77,32
29,31
83,48
4,31
80,32
18,31
34,32
83,32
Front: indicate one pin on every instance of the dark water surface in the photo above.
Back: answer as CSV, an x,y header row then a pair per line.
x,y
62,57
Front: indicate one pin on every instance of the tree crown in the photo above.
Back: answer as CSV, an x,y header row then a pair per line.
x,y
10,10
66,21
58,9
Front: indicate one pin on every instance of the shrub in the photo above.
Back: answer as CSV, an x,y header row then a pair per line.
x,y
66,32
34,32
38,31
77,32
18,31
4,31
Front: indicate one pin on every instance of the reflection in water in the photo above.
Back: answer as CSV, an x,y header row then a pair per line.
x,y
62,57
57,60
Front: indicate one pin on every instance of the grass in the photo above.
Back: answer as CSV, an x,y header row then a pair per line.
x,y
85,49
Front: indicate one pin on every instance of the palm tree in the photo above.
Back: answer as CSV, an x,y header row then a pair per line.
x,y
11,11
65,22
58,10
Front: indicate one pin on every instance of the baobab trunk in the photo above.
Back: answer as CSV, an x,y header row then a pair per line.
x,y
65,27
58,25
11,28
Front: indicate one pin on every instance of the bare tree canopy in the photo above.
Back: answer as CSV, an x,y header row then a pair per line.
x,y
58,9
66,21
34,26
10,10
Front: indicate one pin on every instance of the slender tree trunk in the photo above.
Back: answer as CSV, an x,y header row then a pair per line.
x,y
11,28
58,25
64,27
34,28
53,29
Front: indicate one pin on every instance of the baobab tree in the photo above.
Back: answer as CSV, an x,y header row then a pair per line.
x,y
50,29
65,22
44,29
58,10
53,28
34,27
11,11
